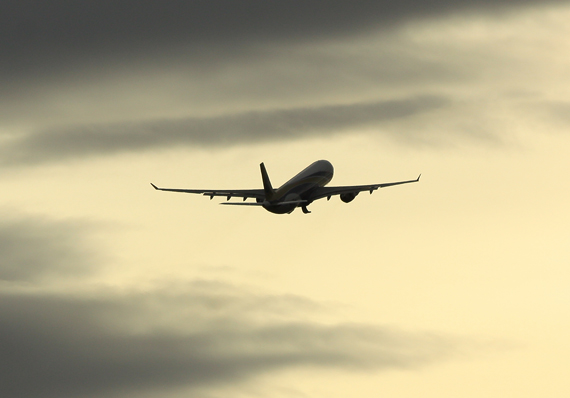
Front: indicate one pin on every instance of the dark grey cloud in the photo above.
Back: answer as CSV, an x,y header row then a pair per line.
x,y
33,249
251,127
36,36
125,344
194,336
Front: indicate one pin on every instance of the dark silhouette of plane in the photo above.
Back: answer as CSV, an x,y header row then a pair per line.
x,y
299,191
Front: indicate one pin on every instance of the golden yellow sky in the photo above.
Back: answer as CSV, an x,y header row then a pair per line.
x,y
455,286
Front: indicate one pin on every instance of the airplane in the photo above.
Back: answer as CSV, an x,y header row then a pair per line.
x,y
299,191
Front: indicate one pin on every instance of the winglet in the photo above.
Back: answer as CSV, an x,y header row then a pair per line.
x,y
419,177
154,186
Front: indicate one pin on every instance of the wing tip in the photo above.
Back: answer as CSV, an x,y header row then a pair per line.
x,y
419,177
154,186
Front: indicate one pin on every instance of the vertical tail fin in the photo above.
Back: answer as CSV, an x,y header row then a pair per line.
x,y
266,183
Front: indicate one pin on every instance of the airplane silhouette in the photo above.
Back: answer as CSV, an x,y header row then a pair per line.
x,y
299,191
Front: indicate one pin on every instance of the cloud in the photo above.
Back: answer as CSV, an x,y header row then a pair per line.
x,y
259,93
121,344
251,127
193,336
34,249
58,35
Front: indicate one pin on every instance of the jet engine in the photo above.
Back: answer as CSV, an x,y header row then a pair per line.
x,y
348,197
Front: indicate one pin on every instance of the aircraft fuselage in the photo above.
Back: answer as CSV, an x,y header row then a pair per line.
x,y
300,188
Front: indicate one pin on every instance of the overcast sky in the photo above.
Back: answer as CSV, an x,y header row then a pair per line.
x,y
455,286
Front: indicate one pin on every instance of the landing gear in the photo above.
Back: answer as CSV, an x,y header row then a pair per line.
x,y
305,210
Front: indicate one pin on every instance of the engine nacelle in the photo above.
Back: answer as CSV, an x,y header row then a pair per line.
x,y
348,197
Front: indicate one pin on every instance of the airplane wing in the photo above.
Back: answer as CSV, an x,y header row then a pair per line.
x,y
327,192
228,193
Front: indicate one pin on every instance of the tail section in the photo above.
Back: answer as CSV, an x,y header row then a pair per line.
x,y
266,183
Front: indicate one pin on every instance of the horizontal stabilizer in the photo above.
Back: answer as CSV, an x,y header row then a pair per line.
x,y
292,202
242,203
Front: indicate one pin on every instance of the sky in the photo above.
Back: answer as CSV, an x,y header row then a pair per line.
x,y
455,286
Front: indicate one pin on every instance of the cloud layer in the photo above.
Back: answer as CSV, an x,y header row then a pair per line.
x,y
35,249
271,80
37,36
200,335
250,127
76,346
